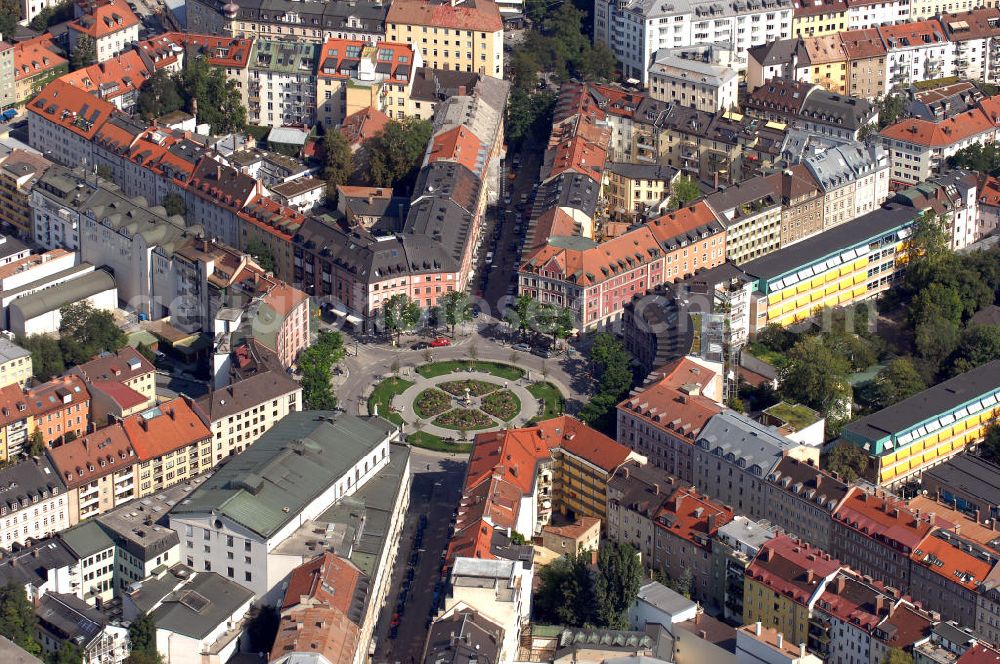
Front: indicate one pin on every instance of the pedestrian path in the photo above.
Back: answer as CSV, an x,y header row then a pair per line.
x,y
403,403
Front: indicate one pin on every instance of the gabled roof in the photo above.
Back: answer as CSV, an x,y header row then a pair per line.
x,y
124,365
93,456
56,394
327,580
884,519
939,134
36,56
955,559
165,428
71,108
364,124
792,568
104,20
478,15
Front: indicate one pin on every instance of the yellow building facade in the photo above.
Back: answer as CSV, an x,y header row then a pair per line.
x,y
460,37
816,21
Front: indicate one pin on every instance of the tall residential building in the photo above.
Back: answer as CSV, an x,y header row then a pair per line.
x,y
33,502
19,171
98,470
15,364
462,35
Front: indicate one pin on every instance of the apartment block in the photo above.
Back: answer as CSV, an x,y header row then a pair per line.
x,y
689,82
801,500
112,26
636,493
172,442
59,408
33,502
19,171
98,470
584,461
734,546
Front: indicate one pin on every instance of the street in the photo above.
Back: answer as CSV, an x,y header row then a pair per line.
x,y
437,484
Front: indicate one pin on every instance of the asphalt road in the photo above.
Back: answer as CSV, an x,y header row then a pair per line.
x,y
437,483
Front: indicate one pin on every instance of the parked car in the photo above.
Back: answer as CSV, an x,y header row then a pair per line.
x,y
476,313
440,341
543,352
524,348
8,115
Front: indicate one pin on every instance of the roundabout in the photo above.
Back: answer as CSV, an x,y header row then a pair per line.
x,y
442,405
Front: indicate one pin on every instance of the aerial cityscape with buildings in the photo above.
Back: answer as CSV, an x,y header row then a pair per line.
x,y
499,331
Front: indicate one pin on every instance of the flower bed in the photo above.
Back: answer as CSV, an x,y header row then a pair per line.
x,y
502,404
477,388
431,402
467,419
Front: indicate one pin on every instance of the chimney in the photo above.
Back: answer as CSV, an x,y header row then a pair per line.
x,y
802,651
711,523
656,487
143,423
841,583
781,641
756,628
810,575
879,604
931,518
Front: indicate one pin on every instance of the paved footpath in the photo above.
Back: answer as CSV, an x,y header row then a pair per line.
x,y
403,403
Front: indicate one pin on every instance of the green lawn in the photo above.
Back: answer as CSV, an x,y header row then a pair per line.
x,y
382,397
552,397
448,366
431,442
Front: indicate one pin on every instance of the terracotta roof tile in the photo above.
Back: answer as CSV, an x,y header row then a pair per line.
x,y
328,580
892,520
71,108
693,517
93,456
165,428
939,134
35,56
792,568
105,20
478,15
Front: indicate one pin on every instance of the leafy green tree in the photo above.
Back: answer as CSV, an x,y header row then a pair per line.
x,y
174,204
10,14
338,159
683,190
146,351
899,380
315,363
394,155
520,316
262,254
897,656
984,158
978,345
935,339
68,653
159,95
849,462
84,53
989,449
46,356
456,309
926,248
566,594
36,443
613,370
216,98
890,109
17,618
776,338
400,314
142,634
815,376
528,113
85,332
557,322
620,575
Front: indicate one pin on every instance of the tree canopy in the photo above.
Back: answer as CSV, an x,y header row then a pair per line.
x,y
683,190
315,363
83,54
262,254
17,618
981,157
456,309
399,314
84,332
394,155
142,634
899,380
848,461
10,14
159,95
816,376
612,366
174,204
338,160
617,584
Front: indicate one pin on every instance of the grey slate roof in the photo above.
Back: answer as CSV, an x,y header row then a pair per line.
x,y
32,564
465,637
51,299
969,474
21,482
837,110
934,400
774,53
247,393
735,436
197,606
285,469
69,618
643,171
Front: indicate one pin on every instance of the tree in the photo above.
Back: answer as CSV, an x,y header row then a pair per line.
x,y
989,449
613,369
339,160
48,16
174,205
142,634
815,376
890,108
897,656
84,53
899,380
566,594
36,443
557,322
936,339
146,351
46,356
617,584
400,314
683,190
978,157
316,362
10,14
68,653
926,248
211,96
849,462
262,254
456,309
85,332
528,112
395,154
159,95
17,618
978,345
520,315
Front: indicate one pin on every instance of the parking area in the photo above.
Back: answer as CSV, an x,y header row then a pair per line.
x,y
417,587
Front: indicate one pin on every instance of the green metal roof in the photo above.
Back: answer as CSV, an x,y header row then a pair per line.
x,y
86,539
287,468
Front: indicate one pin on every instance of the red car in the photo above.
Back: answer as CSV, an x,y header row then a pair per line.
x,y
440,341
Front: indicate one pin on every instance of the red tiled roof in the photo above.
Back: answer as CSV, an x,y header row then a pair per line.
x,y
35,56
165,428
13,404
860,44
123,395
591,445
362,125
579,155
401,60
888,519
979,653
105,20
989,190
459,145
855,601
71,108
112,78
55,394
318,631
912,34
93,456
792,568
693,517
939,134
326,580
273,217
684,221
124,365
948,560
478,15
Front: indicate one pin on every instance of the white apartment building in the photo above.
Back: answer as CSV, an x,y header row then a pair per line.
x,y
854,179
242,412
701,85
282,83
873,13
112,26
33,502
65,617
293,473
919,148
917,51
635,30
95,555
